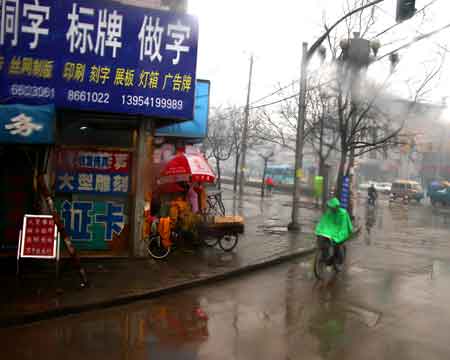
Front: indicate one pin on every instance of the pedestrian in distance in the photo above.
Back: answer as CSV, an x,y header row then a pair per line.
x,y
269,185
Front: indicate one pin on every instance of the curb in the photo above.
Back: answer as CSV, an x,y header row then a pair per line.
x,y
149,294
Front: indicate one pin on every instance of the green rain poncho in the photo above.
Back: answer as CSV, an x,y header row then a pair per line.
x,y
335,225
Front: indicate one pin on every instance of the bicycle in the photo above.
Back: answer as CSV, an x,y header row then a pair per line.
x,y
215,204
156,248
155,244
329,258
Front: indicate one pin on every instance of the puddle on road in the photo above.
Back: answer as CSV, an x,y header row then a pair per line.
x,y
356,269
367,317
276,229
440,269
226,258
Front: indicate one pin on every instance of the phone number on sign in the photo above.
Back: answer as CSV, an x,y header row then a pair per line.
x,y
31,91
88,96
156,102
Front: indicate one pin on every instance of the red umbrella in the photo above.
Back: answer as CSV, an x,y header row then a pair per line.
x,y
168,188
187,167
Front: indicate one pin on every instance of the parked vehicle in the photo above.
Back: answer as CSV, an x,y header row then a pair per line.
x,y
406,190
436,186
440,197
383,188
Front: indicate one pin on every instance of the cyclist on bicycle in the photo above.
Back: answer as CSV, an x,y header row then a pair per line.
x,y
334,227
372,195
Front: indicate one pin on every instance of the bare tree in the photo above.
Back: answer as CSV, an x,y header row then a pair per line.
x,y
224,138
266,158
323,135
348,113
219,143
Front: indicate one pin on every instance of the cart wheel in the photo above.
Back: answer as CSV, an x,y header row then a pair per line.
x,y
210,241
228,242
156,249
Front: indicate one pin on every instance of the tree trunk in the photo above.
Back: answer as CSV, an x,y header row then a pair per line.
x,y
341,173
322,169
219,185
236,170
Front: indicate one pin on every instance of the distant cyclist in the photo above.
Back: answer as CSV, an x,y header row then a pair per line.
x,y
372,195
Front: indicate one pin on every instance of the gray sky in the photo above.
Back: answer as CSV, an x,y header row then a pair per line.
x,y
273,31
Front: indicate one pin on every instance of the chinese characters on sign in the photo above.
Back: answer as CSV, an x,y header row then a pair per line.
x,y
345,194
92,183
115,58
91,224
39,236
80,171
22,125
27,124
32,17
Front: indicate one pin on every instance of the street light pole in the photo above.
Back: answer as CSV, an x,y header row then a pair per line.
x,y
357,56
245,133
295,224
307,54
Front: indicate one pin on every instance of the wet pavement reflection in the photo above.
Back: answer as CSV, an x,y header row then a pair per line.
x,y
390,303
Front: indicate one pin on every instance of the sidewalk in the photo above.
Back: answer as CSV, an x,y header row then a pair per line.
x,y
266,241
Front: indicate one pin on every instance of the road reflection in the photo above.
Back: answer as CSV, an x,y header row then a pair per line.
x,y
164,330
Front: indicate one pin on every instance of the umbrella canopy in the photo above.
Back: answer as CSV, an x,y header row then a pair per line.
x,y
187,167
168,188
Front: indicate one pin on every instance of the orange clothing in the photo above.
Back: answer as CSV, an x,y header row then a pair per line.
x,y
164,231
201,198
177,208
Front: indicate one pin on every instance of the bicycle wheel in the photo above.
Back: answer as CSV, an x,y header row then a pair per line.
x,y
210,241
339,266
156,249
228,242
322,270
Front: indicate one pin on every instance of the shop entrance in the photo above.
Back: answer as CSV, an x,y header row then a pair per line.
x,y
93,181
16,194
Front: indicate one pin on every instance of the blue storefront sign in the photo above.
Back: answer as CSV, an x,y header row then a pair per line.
x,y
197,128
345,193
25,124
92,225
98,55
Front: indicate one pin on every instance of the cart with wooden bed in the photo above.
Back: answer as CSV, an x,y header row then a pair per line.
x,y
210,226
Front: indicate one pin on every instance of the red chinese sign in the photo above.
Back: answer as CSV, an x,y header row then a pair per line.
x,y
93,161
39,237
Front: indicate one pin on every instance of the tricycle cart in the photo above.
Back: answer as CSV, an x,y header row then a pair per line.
x,y
213,230
193,214
224,230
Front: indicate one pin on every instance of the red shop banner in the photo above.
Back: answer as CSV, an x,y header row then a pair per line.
x,y
92,161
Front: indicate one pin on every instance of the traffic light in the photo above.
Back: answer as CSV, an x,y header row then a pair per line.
x,y
405,10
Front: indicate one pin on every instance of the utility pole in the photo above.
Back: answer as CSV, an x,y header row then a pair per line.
x,y
245,133
295,224
354,106
307,54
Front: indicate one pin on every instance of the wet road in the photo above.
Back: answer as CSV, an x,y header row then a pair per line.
x,y
390,303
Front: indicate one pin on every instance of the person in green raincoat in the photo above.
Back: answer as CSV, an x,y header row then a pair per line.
x,y
335,224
